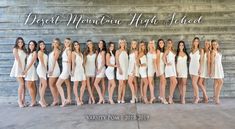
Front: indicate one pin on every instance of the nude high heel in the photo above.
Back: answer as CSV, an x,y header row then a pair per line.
x,y
170,101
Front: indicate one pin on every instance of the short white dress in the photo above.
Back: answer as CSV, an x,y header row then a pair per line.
x,y
99,65
51,60
194,63
181,67
150,63
218,72
123,61
90,65
65,68
109,72
31,75
16,71
41,71
133,69
162,64
204,73
170,69
79,73
143,69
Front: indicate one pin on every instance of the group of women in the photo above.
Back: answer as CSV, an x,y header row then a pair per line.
x,y
91,67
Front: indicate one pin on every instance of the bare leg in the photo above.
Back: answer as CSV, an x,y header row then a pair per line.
x,y
103,87
132,87
82,90
201,84
145,80
54,90
42,90
195,88
68,85
183,83
173,84
75,91
151,87
111,90
123,91
21,91
61,91
101,99
32,92
120,87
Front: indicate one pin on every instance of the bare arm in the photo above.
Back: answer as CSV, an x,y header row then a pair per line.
x,y
208,63
164,57
69,53
155,63
56,57
212,63
41,58
108,60
73,63
32,62
201,61
117,61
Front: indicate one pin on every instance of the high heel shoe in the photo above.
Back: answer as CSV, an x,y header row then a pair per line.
x,y
119,101
145,100
152,100
101,101
206,100
196,100
42,104
217,101
170,101
132,101
69,101
136,99
54,104
21,105
122,101
64,103
33,104
162,100
111,101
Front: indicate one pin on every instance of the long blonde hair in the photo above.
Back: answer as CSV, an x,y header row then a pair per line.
x,y
193,47
154,47
59,44
140,49
131,48
70,44
120,41
214,41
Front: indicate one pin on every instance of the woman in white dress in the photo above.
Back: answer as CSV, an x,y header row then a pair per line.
x,y
152,68
195,67
66,71
170,70
89,61
18,67
78,73
100,70
30,71
182,59
54,70
205,52
42,72
161,70
217,72
109,72
122,69
133,71
142,61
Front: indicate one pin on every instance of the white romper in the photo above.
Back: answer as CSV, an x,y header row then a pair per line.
x,y
56,71
170,69
90,65
65,68
143,69
79,73
133,67
218,72
99,64
31,75
123,61
204,73
181,67
109,72
16,71
194,63
150,63
41,71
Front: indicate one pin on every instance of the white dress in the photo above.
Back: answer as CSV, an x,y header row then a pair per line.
x,y
150,63
162,65
181,67
143,69
99,65
79,73
194,63
123,61
218,71
170,69
56,71
16,71
31,74
204,73
65,69
133,67
90,65
41,71
109,72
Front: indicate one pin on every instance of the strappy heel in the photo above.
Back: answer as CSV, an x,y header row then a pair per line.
x,y
170,101
162,100
152,100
